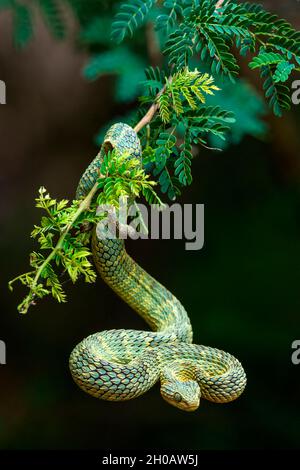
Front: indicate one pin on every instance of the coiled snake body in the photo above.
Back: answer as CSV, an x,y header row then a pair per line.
x,y
122,364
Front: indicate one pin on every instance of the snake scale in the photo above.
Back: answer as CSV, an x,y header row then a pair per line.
x,y
121,364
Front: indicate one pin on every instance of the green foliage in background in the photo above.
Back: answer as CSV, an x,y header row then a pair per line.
x,y
117,35
126,62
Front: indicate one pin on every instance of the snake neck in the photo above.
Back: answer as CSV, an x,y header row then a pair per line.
x,y
120,137
153,302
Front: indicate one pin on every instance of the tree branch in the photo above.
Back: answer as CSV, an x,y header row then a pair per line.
x,y
219,4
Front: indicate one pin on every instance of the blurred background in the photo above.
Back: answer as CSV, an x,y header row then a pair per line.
x,y
241,290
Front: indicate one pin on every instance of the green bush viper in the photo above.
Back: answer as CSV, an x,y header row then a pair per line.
x,y
122,364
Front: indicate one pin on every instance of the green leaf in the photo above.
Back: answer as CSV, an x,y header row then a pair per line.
x,y
208,120
179,46
164,107
130,17
248,119
265,58
165,145
221,59
184,162
123,63
277,93
53,17
23,28
156,79
108,62
169,184
96,32
134,75
283,71
168,20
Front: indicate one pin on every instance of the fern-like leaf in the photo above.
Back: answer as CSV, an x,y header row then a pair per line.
x,y
277,93
164,107
165,145
283,71
169,184
23,27
123,63
179,47
207,120
265,58
184,161
213,48
53,17
168,20
185,88
130,17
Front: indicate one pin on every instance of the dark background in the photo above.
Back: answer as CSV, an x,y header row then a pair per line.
x,y
241,290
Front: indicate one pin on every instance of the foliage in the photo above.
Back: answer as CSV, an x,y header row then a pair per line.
x,y
125,178
124,64
194,27
246,117
68,249
195,97
130,17
185,91
64,232
183,120
23,18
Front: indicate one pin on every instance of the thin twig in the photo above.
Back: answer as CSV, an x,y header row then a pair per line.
x,y
153,108
147,118
219,4
84,205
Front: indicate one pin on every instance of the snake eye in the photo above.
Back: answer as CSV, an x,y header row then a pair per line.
x,y
177,397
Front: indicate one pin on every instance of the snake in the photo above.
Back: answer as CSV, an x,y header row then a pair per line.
x,y
122,364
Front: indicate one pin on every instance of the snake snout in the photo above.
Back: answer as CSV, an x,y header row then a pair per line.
x,y
184,395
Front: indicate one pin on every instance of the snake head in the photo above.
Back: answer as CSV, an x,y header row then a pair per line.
x,y
184,394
